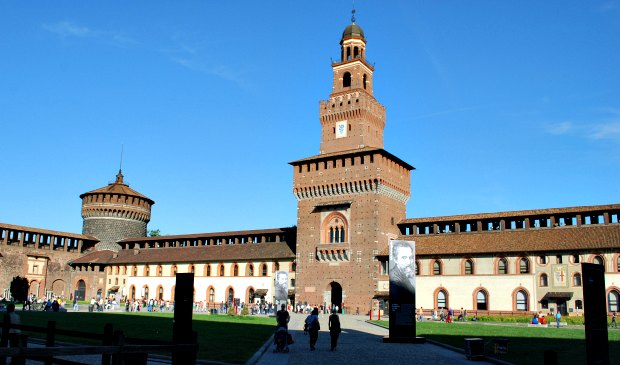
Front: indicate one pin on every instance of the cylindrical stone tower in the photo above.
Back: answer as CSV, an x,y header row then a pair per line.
x,y
115,212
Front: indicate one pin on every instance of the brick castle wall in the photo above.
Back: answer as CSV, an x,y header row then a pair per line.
x,y
111,230
14,262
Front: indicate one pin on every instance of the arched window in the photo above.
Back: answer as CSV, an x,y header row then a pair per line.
x,y
346,79
236,270
174,270
598,260
160,293
251,295
335,228
469,267
294,267
221,269
442,299
436,267
160,270
524,266
146,292
356,52
277,266
231,295
147,270
612,301
250,270
502,266
521,301
575,259
211,295
133,292
208,270
124,270
543,280
417,267
365,80
542,259
192,268
264,270
134,270
577,279
481,300
578,304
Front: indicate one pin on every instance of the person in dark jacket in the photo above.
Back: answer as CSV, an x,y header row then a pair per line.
x,y
334,329
313,328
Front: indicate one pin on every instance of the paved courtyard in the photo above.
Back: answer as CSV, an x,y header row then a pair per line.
x,y
359,343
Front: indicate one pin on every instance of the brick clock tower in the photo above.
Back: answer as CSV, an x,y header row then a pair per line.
x,y
350,196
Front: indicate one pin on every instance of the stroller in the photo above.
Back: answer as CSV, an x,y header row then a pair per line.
x,y
282,339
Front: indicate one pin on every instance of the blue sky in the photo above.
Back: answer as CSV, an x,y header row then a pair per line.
x,y
499,105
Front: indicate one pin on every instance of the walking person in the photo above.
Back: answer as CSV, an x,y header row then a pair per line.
x,y
76,307
334,329
613,320
313,328
282,317
558,317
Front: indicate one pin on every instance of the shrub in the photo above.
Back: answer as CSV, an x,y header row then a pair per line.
x,y
232,311
245,311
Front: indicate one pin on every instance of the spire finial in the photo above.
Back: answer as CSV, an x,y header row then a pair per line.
x,y
119,176
353,13
120,168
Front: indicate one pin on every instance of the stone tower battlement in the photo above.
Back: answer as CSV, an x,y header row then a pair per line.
x,y
115,212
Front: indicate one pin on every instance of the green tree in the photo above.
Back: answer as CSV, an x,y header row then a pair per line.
x,y
154,233
19,289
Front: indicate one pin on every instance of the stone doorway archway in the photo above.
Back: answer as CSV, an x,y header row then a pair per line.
x,y
80,291
336,296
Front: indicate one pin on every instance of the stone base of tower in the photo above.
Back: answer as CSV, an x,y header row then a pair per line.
x,y
419,340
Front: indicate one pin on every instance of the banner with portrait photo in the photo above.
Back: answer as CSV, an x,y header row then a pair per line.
x,y
281,286
402,288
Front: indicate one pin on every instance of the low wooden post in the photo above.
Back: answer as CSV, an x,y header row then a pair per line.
x,y
119,340
50,339
23,343
108,340
4,340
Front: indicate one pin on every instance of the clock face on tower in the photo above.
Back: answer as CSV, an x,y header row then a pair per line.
x,y
341,129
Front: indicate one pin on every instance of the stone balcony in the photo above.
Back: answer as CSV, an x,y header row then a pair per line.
x,y
333,252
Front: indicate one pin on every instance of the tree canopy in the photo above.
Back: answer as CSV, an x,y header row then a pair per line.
x,y
19,288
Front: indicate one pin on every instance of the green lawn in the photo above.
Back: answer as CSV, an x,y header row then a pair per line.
x,y
526,345
220,337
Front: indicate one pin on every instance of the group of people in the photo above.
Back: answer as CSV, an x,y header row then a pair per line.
x,y
312,325
540,318
446,316
52,303
308,308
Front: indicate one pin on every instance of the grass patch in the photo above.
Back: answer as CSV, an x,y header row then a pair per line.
x,y
526,346
232,339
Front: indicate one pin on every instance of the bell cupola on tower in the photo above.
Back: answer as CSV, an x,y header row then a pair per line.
x,y
115,212
351,118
